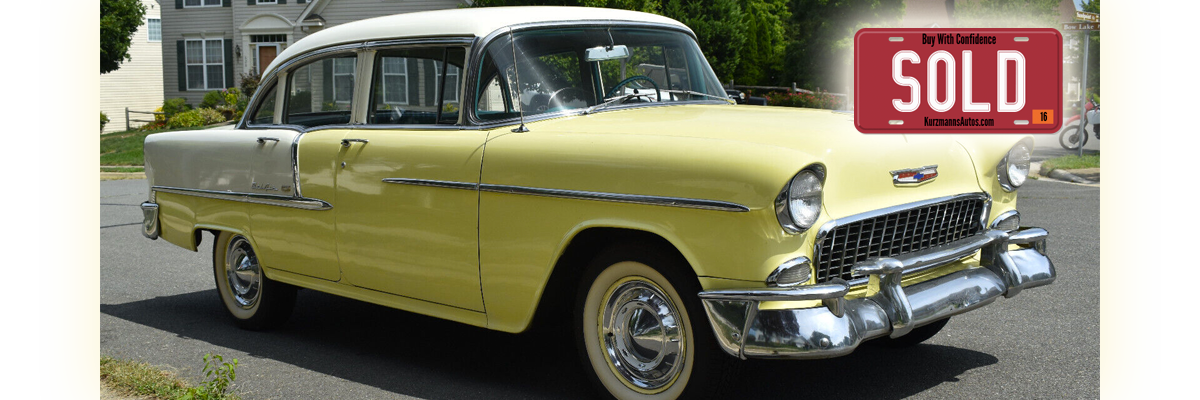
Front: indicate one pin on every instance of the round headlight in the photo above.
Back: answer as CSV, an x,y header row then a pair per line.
x,y
1014,168
800,203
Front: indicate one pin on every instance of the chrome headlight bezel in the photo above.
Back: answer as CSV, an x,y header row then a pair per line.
x,y
1009,171
783,210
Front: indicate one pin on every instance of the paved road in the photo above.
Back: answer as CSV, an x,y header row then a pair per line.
x,y
159,305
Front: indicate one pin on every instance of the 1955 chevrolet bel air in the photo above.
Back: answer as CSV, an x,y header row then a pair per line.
x,y
508,166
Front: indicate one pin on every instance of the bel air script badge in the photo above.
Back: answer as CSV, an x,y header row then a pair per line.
x,y
914,176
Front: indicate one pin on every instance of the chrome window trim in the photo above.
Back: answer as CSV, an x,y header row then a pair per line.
x,y
476,56
681,202
831,225
253,198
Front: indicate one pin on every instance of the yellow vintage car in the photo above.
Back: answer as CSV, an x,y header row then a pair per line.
x,y
506,167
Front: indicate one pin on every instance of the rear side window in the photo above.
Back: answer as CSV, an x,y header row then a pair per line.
x,y
407,84
321,92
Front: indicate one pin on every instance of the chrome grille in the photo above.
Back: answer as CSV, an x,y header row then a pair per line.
x,y
891,232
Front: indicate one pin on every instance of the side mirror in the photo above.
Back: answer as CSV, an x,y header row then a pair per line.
x,y
603,53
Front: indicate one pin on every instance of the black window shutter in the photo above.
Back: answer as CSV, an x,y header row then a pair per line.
x,y
414,90
229,63
249,2
282,1
300,1
181,59
430,79
226,3
178,4
327,81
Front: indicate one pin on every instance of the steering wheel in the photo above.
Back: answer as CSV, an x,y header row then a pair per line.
x,y
657,94
565,93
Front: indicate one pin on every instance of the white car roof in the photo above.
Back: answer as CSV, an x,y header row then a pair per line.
x,y
456,22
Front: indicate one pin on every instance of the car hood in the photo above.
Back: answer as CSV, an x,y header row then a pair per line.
x,y
858,165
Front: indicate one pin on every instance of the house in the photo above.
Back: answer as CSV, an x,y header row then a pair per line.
x,y
136,84
212,44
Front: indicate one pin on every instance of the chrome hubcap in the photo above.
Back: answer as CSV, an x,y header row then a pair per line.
x,y
243,273
642,334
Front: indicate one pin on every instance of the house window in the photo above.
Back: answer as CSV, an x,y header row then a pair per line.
x,y
266,2
395,80
205,64
451,93
201,3
343,79
154,28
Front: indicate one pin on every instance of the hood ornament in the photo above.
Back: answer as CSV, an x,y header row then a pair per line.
x,y
914,176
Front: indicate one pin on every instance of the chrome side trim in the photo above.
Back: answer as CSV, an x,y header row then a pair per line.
x,y
253,198
578,194
433,183
617,197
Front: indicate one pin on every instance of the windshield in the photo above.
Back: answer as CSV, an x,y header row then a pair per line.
x,y
589,68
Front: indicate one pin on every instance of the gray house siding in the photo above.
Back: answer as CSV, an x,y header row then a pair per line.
x,y
189,23
241,19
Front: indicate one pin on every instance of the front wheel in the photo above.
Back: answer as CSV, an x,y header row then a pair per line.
x,y
1070,138
641,329
254,301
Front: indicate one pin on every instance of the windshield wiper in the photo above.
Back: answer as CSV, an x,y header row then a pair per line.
x,y
613,100
697,94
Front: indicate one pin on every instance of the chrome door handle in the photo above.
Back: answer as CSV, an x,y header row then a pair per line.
x,y
346,142
264,139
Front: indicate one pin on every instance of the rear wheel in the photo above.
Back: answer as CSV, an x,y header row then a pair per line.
x,y
1070,138
641,330
254,301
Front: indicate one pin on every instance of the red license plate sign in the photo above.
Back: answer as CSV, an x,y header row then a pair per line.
x,y
958,80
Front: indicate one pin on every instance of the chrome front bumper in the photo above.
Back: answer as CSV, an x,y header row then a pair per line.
x,y
841,324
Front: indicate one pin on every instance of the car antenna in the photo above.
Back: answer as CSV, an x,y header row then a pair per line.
x,y
517,71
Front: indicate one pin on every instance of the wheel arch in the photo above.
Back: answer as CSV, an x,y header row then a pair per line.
x,y
557,294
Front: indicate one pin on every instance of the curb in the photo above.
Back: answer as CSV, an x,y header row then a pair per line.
x,y
1061,175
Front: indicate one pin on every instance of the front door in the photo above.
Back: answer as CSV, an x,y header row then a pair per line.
x,y
266,54
403,226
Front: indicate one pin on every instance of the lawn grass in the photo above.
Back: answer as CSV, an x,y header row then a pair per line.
x,y
123,169
135,378
125,148
1072,162
140,379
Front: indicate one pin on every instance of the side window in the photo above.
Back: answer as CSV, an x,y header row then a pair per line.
x,y
406,83
321,92
265,113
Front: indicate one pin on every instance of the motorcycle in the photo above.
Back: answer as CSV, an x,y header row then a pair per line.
x,y
1071,138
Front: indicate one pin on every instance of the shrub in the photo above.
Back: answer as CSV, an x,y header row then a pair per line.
x,y
249,84
212,99
194,118
806,100
103,121
159,118
175,106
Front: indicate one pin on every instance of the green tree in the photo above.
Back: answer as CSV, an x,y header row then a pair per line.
x,y
1093,78
766,40
119,19
1006,13
820,52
